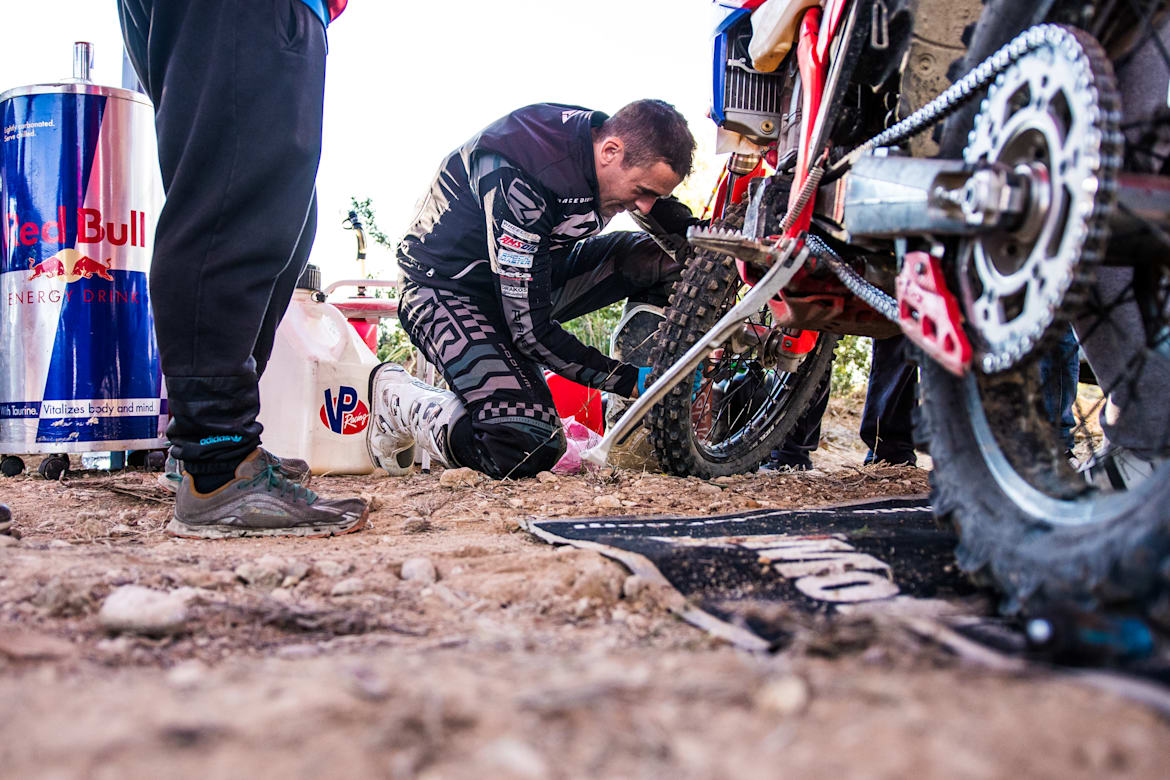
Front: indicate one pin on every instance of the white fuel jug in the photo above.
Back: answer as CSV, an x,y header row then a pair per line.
x,y
314,395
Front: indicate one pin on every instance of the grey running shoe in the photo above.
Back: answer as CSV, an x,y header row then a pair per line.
x,y
292,469
262,502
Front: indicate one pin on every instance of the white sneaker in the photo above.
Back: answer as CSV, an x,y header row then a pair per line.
x,y
1117,468
407,414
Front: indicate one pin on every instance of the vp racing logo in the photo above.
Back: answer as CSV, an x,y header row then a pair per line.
x,y
345,412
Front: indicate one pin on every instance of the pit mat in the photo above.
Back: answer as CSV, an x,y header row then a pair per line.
x,y
814,560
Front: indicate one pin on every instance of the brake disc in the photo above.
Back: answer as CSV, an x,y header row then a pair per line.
x,y
1052,116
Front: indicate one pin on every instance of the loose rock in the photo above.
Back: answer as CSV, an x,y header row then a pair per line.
x,y
260,575
461,477
787,695
547,477
330,568
419,570
296,571
133,608
608,502
348,587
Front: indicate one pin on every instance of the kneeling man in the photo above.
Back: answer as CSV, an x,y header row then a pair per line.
x,y
505,248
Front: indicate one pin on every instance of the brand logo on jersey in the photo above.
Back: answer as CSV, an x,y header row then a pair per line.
x,y
577,226
567,115
515,259
513,290
524,202
574,200
519,233
516,244
344,413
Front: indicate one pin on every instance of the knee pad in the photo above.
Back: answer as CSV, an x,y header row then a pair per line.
x,y
516,440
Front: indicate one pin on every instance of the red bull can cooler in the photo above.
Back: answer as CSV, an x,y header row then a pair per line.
x,y
80,192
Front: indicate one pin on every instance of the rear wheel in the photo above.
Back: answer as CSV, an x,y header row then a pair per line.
x,y
1027,520
745,404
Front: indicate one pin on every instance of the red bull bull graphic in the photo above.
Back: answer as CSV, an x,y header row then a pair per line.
x,y
80,193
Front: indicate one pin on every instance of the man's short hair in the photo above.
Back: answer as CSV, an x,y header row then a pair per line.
x,y
652,131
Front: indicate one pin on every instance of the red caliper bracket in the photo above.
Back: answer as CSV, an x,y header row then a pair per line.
x,y
929,314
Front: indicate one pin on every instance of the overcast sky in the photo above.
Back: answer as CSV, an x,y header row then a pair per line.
x,y
409,81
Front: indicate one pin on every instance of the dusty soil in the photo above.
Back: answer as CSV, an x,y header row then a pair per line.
x,y
521,660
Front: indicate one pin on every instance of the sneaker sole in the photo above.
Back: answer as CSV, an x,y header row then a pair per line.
x,y
177,527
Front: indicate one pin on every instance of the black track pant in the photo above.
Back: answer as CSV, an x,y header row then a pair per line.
x,y
511,427
886,424
238,89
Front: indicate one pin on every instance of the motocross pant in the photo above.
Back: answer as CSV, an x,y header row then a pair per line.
x,y
238,92
511,427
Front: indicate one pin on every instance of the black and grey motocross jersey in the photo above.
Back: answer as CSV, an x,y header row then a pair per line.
x,y
501,211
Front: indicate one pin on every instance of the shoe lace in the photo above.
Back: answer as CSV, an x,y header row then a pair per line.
x,y
271,478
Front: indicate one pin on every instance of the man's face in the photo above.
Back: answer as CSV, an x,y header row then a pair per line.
x,y
629,189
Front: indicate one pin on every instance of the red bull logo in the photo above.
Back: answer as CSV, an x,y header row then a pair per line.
x,y
72,265
92,228
346,413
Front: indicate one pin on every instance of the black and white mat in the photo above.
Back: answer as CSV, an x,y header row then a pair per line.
x,y
729,574
815,560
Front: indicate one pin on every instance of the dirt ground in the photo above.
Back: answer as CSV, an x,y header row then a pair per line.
x,y
316,658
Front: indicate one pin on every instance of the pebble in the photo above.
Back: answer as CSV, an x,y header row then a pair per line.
x,y
187,675
8,541
786,695
133,608
330,568
258,575
294,573
710,490
461,477
419,570
547,477
59,544
511,757
348,587
608,502
515,503
115,646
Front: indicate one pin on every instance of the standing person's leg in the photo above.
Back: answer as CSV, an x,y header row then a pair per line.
x,y
283,290
1060,369
238,91
804,438
886,424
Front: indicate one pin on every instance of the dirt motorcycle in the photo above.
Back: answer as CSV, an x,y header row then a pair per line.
x,y
977,176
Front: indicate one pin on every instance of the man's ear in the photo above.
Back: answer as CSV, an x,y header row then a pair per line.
x,y
611,150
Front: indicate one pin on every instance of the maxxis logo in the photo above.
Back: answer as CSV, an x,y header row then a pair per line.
x,y
344,412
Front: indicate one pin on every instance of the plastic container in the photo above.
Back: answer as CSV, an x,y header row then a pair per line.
x,y
314,395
